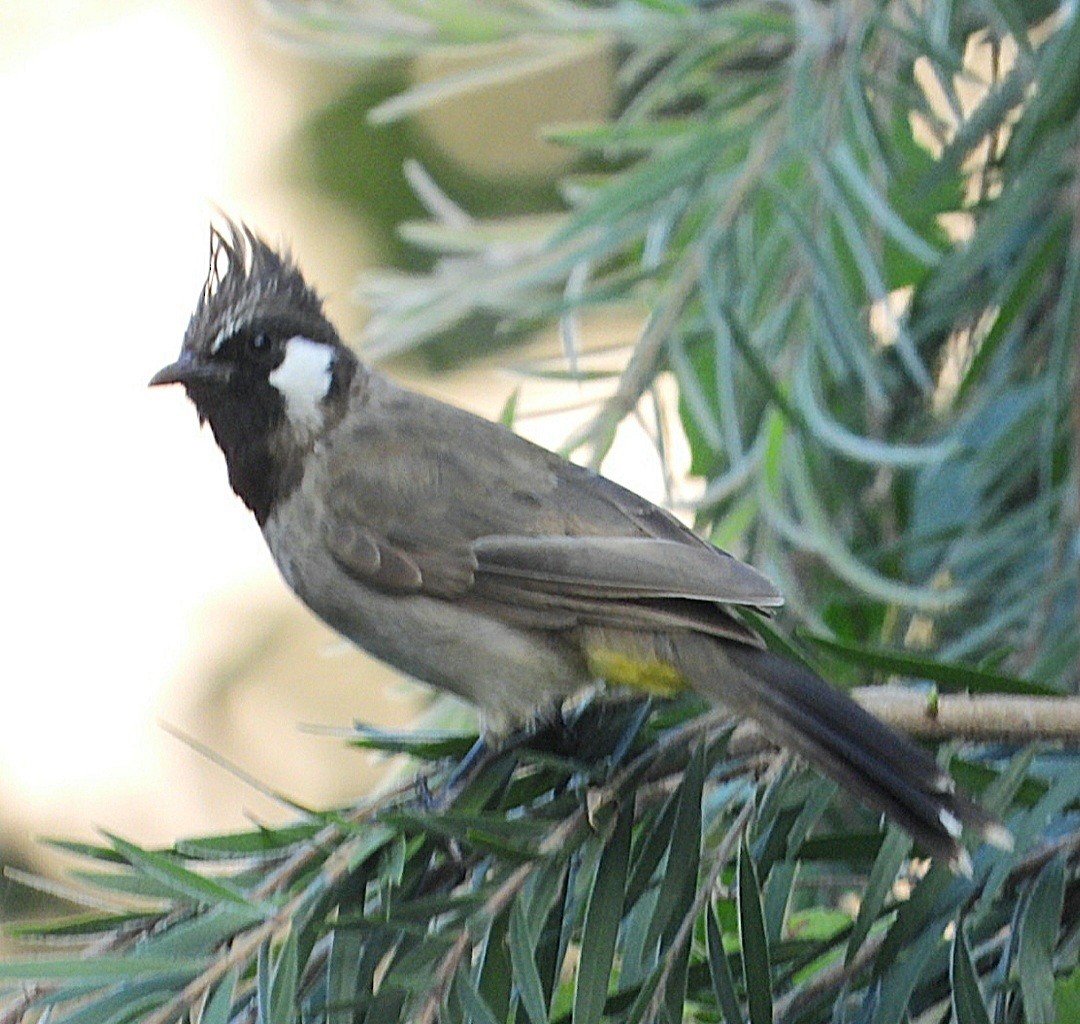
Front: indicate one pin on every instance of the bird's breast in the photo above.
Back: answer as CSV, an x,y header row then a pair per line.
x,y
506,670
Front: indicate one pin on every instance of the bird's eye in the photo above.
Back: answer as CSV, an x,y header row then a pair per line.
x,y
260,342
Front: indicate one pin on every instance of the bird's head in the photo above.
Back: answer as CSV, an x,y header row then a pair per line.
x,y
261,363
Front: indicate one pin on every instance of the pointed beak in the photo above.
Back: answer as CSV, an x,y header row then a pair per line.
x,y
189,369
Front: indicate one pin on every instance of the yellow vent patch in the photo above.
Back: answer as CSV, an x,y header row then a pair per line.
x,y
648,674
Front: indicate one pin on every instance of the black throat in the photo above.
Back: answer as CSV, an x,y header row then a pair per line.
x,y
249,427
264,455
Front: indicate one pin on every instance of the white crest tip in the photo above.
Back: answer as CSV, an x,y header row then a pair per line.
x,y
999,836
950,822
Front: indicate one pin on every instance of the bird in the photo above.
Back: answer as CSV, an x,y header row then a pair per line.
x,y
468,557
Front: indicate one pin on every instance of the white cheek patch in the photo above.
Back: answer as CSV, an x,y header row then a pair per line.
x,y
303,379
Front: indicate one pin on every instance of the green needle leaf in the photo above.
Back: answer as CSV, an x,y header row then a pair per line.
x,y
166,871
523,959
752,938
219,1009
602,917
1038,940
720,971
967,1000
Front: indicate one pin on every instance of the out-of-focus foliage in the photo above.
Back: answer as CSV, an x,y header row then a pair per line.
x,y
849,231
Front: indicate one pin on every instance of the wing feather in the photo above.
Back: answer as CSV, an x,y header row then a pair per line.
x,y
498,521
624,568
377,561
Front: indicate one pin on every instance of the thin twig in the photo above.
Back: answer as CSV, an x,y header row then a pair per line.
x,y
828,979
444,978
337,865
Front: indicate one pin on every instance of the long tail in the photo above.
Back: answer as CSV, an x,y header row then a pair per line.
x,y
802,712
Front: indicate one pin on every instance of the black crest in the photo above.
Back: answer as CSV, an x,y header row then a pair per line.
x,y
250,281
252,291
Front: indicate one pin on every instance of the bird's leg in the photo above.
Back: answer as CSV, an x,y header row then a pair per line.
x,y
478,757
553,731
489,746
481,754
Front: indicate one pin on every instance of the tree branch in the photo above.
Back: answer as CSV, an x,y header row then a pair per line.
x,y
957,716
961,716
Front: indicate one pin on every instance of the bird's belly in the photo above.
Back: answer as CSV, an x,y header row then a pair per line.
x,y
508,671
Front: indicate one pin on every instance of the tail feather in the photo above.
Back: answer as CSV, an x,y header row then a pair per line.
x,y
873,761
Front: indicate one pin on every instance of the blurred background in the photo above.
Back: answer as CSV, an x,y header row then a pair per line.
x,y
141,600
855,227
139,590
